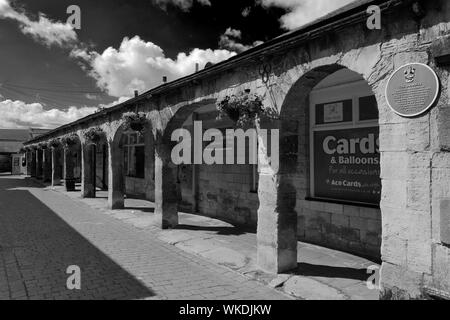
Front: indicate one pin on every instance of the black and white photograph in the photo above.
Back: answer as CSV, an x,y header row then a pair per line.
x,y
225,159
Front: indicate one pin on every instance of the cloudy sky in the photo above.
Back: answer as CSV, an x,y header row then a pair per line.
x,y
51,74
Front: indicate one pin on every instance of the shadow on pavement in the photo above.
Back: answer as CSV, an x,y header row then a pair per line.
x,y
312,270
38,246
225,231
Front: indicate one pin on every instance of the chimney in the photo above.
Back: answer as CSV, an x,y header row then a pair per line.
x,y
136,93
197,67
164,79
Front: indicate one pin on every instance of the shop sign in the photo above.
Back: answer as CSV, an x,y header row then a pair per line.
x,y
347,165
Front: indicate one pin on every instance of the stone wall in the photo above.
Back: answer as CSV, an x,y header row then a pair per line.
x,y
225,193
344,227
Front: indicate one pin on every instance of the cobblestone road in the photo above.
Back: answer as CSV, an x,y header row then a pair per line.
x,y
42,233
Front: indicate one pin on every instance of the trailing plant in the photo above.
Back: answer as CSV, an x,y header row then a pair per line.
x,y
69,140
93,135
135,121
244,109
53,143
42,145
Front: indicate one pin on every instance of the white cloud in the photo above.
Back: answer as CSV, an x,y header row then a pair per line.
x,y
43,30
184,5
230,40
18,114
114,103
301,12
140,65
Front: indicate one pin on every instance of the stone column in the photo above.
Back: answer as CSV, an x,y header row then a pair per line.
x,y
277,219
116,183
32,163
69,181
56,166
39,163
166,198
87,171
47,165
28,157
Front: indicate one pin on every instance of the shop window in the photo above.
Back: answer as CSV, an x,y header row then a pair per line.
x,y
134,155
368,109
344,149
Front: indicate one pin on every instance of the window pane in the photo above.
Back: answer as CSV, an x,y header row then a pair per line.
x,y
368,109
140,138
133,138
334,112
125,160
140,162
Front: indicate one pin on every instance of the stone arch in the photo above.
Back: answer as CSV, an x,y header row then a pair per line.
x,y
285,190
167,191
72,163
117,171
89,148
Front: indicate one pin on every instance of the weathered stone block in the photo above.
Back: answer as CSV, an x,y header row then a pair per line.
x,y
445,221
398,282
394,194
393,165
393,137
394,249
444,128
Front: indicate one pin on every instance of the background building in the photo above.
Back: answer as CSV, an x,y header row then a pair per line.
x,y
11,142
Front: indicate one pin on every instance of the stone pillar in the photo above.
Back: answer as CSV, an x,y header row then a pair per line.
x,y
39,163
116,183
32,163
277,219
47,165
166,198
87,171
56,166
69,181
28,161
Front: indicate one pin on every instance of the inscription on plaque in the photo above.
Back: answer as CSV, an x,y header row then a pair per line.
x,y
412,90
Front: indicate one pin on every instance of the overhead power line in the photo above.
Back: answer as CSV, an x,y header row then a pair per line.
x,y
51,89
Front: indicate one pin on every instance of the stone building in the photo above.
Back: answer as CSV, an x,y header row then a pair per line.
x,y
11,142
327,83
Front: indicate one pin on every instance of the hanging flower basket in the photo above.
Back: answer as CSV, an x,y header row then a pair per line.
x,y
54,143
93,135
23,150
42,145
243,109
69,140
135,121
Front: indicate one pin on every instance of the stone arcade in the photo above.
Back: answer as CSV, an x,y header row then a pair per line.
x,y
327,78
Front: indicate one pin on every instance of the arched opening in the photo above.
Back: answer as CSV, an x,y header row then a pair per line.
x,y
72,163
220,190
217,189
94,177
329,156
131,166
57,159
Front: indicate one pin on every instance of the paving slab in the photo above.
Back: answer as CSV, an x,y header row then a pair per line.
x,y
337,274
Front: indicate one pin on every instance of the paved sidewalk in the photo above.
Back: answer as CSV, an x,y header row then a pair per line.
x,y
149,259
43,232
322,273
